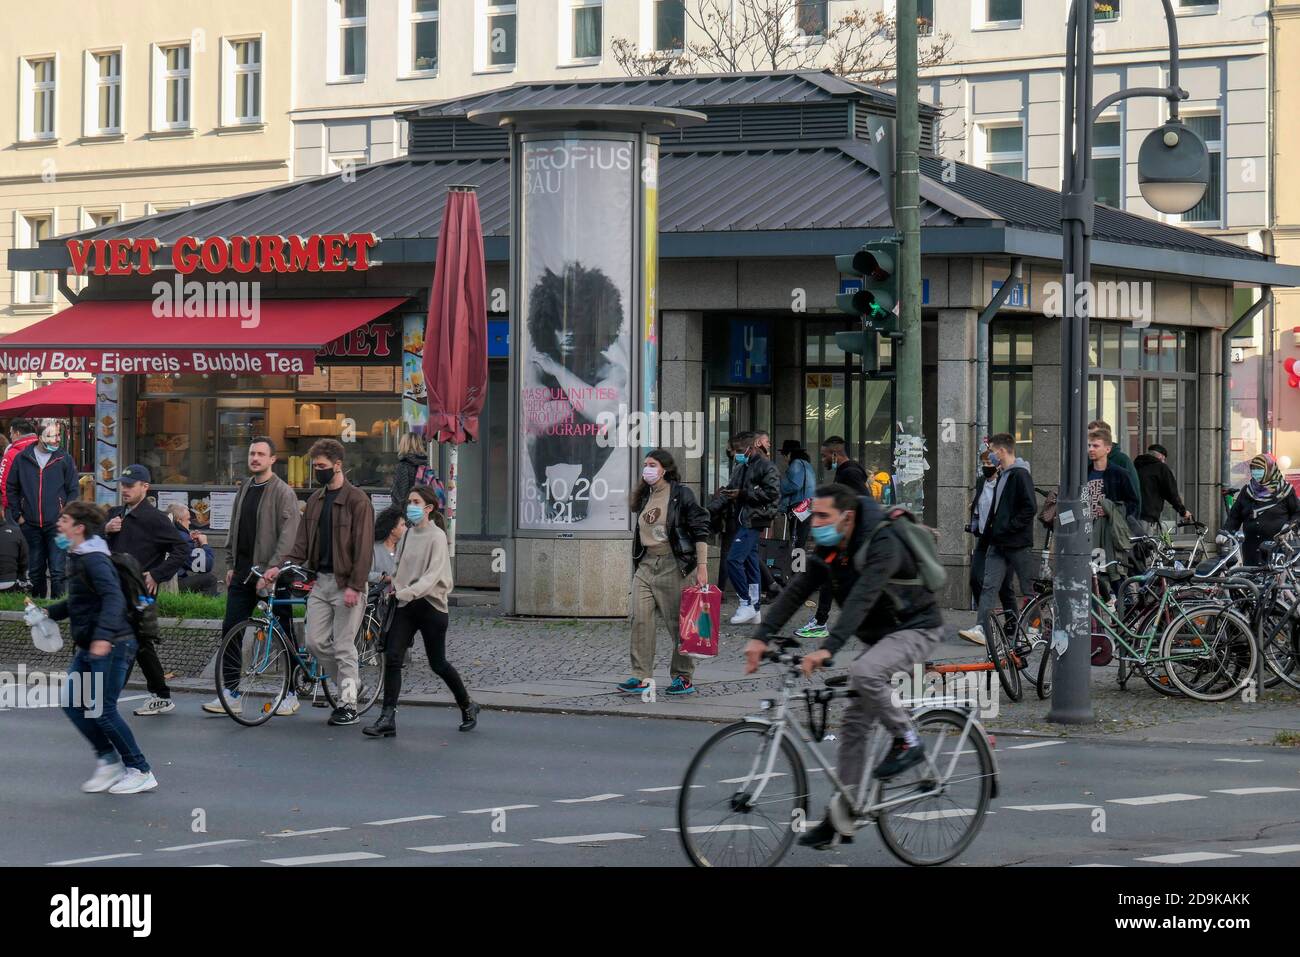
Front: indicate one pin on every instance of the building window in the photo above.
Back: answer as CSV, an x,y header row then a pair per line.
x,y
352,38
36,80
1004,150
172,87
1209,210
1002,11
1106,10
1108,162
424,36
587,38
108,93
925,17
813,18
670,24
1195,5
1011,383
500,33
33,287
100,217
244,81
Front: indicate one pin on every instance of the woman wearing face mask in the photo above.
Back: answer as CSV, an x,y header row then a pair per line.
x,y
421,583
981,508
1266,504
669,551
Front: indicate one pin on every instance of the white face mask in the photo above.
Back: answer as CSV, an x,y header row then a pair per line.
x,y
650,474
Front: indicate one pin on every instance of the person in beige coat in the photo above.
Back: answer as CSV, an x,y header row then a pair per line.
x,y
421,583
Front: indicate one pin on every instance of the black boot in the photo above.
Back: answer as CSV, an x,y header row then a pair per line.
x,y
385,726
469,717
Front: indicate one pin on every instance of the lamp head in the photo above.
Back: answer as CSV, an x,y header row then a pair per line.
x,y
1173,168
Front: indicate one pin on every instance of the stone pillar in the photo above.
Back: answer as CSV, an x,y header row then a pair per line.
x,y
681,391
954,443
1207,502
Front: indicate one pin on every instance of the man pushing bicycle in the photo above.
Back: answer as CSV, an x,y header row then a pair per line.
x,y
883,574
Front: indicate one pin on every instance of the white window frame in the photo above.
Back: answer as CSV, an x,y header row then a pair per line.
x,y
230,71
934,18
807,38
980,20
1181,9
987,157
153,209
1219,146
567,16
1120,14
86,215
1114,152
336,23
29,87
25,281
161,77
406,40
336,164
94,83
649,17
483,10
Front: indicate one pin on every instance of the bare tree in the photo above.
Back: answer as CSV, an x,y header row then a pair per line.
x,y
741,36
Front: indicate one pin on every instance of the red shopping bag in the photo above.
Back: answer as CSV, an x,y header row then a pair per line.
x,y
697,624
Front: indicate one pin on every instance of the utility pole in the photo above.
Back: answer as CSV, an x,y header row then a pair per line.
x,y
909,447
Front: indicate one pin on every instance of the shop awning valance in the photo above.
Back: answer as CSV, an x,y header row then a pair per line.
x,y
279,337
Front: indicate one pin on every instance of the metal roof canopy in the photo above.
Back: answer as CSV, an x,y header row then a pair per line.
x,y
626,119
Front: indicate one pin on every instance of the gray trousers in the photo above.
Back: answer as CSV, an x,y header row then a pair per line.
x,y
998,563
331,630
657,586
869,676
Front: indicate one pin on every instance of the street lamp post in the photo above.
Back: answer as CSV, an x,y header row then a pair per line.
x,y
1171,164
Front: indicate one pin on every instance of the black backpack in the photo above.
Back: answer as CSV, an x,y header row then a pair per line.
x,y
141,616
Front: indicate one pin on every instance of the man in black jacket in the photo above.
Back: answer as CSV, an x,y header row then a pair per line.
x,y
875,580
138,529
41,479
1157,485
1009,534
754,495
13,555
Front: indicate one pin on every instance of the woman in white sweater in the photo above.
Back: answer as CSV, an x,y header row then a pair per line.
x,y
421,583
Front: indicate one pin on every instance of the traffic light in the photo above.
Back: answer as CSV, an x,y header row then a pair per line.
x,y
877,265
859,344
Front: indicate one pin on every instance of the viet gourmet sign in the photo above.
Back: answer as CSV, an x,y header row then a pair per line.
x,y
319,252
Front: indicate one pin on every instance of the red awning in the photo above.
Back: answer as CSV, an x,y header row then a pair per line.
x,y
126,338
73,397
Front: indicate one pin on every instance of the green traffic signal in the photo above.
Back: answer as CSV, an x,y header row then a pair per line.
x,y
877,264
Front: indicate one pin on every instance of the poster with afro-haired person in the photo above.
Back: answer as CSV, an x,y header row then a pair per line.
x,y
575,361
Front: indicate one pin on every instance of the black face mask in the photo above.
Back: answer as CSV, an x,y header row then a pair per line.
x,y
988,471
324,476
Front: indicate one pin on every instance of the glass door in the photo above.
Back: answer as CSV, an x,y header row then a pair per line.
x,y
724,422
871,423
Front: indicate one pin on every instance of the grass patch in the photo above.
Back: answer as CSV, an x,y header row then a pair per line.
x,y
170,605
1289,739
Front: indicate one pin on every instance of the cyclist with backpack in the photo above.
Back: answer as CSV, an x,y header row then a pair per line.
x,y
884,572
106,642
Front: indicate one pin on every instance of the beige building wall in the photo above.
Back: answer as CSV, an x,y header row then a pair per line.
x,y
1286,225
146,166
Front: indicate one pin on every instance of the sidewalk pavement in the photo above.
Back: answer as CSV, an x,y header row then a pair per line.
x,y
572,666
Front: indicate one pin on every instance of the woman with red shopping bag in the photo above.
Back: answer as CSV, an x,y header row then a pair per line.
x,y
669,554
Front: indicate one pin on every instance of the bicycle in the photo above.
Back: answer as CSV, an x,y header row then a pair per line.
x,y
272,663
926,816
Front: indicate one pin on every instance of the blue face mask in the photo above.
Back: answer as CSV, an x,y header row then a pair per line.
x,y
414,514
826,535
994,459
62,542
741,458
1257,474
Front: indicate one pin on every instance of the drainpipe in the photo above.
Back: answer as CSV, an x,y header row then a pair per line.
x,y
1265,299
982,411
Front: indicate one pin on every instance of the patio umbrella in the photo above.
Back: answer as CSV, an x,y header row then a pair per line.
x,y
455,339
72,397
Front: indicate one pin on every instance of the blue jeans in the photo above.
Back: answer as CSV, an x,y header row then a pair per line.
x,y
742,565
102,678
42,553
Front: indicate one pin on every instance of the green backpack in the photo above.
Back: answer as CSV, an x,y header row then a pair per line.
x,y
921,541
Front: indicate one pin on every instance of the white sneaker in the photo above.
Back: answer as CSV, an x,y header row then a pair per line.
x,y
288,706
745,614
974,634
214,706
155,705
107,773
133,782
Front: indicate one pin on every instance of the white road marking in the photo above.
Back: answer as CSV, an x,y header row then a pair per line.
x,y
1048,807
324,858
1190,857
202,865
190,847
315,830
404,820
1158,799
1267,790
91,860
755,777
588,800
1036,744
1274,849
493,810
675,787
1241,760
448,848
716,828
1097,865
938,815
592,838
134,697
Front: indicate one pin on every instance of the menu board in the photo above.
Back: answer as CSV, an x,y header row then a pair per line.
x,y
345,379
222,510
168,499
319,381
378,379
380,501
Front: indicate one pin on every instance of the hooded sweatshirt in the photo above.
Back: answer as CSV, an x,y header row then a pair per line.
x,y
1156,485
1011,524
94,606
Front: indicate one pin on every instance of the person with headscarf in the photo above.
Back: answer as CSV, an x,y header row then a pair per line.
x,y
1267,503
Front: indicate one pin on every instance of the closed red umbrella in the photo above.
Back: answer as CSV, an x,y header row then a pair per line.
x,y
455,339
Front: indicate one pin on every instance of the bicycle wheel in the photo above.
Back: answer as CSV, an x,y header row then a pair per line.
x,y
263,676
1279,646
945,818
731,814
370,663
1208,652
1034,626
1046,669
309,688
999,649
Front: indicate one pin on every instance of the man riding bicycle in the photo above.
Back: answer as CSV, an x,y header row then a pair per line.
x,y
876,582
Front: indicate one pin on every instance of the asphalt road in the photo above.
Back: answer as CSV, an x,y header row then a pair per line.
x,y
542,790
